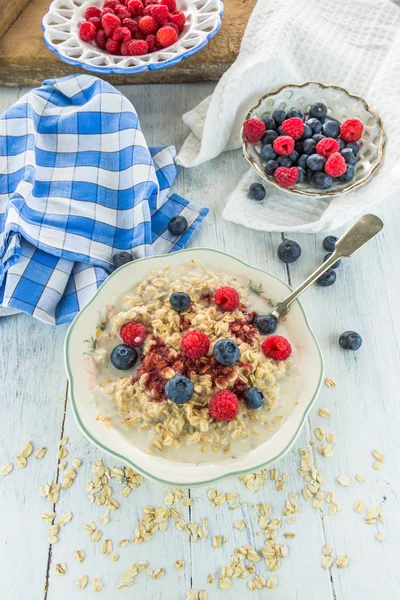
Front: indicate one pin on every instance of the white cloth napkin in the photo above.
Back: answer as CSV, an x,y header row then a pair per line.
x,y
354,44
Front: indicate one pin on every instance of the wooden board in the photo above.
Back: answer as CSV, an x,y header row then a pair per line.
x,y
25,60
9,11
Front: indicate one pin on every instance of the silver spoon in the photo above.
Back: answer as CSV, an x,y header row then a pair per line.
x,y
362,232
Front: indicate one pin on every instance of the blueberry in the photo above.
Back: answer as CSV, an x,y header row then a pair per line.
x,y
269,136
302,162
318,111
121,258
271,167
331,129
348,175
316,162
178,225
309,175
180,301
179,389
295,112
284,161
301,174
353,146
254,398
315,125
326,279
280,130
265,324
269,122
348,156
341,144
307,132
294,156
329,243
336,264
123,357
267,152
350,340
279,116
226,352
322,181
257,191
309,146
289,251
318,137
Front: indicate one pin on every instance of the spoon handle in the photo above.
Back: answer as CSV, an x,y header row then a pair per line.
x,y
359,234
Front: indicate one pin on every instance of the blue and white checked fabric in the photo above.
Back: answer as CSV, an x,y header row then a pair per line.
x,y
77,184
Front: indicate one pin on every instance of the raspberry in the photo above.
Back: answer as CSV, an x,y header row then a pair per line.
x,y
160,13
170,4
133,334
195,344
135,7
335,166
175,27
152,42
224,406
138,47
178,19
122,12
96,22
107,11
253,130
286,177
87,31
92,11
139,35
227,298
110,21
125,48
283,145
276,347
293,127
166,36
327,146
101,39
121,34
148,25
112,46
351,130
130,24
110,4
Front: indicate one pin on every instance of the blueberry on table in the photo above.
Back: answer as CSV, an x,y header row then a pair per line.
x,y
309,146
348,175
267,152
257,191
318,110
178,225
226,352
269,136
289,251
301,174
329,242
331,129
179,389
269,122
180,301
354,147
279,116
254,398
307,132
316,162
315,124
271,167
348,156
295,112
322,181
336,264
266,324
123,357
121,258
326,279
350,340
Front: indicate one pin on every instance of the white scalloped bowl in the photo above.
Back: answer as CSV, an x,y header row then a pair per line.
x,y
62,21
341,106
303,388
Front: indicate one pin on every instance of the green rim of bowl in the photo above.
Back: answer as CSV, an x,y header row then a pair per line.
x,y
126,460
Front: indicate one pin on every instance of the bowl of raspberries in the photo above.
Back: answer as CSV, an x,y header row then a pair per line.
x,y
313,139
129,36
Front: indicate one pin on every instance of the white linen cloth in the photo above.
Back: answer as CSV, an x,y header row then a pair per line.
x,y
351,43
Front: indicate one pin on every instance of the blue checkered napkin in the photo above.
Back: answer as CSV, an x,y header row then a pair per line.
x,y
77,184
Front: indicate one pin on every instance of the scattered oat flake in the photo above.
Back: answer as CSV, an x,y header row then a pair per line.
x,y
342,561
65,519
179,564
115,556
330,382
210,578
48,516
240,525
378,464
345,481
21,461
330,437
7,469
327,550
63,441
272,582
97,585
378,455
80,555
381,536
158,573
107,547
202,595
60,568
76,462
225,583
192,595
81,583
326,450
123,543
27,450
327,562
62,399
359,506
360,478
44,490
324,412
289,536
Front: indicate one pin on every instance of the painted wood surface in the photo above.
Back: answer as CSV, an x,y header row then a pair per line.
x,y
364,408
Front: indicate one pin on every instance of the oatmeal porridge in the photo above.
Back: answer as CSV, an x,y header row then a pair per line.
x,y
188,363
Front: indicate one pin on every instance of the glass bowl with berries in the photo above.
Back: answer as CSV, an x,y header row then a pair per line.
x,y
313,139
129,36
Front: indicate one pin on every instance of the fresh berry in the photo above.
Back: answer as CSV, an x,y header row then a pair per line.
x,y
112,46
285,177
101,40
331,129
148,25
152,42
350,340
122,12
121,34
179,389
178,19
160,13
110,4
269,122
166,36
180,301
224,406
348,175
271,167
329,242
170,4
226,352
289,251
227,298
279,130
178,225
335,165
138,47
106,11
327,146
318,111
351,130
125,48
284,145
87,31
254,398
302,162
335,264
92,11
309,146
96,22
279,116
307,132
309,175
316,162
121,258
175,27
295,113
276,347
266,324
284,161
321,181
123,357
326,279
318,137
301,174
270,136
195,344
315,124
293,127
267,152
341,144
133,334
110,21
257,191
349,156
354,147
130,24
135,7
253,130
294,156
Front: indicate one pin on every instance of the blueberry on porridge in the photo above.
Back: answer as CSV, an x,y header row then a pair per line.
x,y
185,360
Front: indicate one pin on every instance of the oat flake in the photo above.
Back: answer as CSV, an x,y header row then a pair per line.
x,y
327,562
330,382
345,481
381,536
378,464
96,585
60,568
324,412
360,478
21,461
342,561
81,583
359,506
7,469
272,582
80,556
327,550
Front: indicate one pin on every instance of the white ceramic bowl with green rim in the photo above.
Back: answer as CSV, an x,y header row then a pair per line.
x,y
306,356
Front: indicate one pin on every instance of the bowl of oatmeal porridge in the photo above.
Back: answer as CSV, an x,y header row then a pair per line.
x,y
175,367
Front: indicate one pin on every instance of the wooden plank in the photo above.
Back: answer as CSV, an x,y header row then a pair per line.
x,y
25,60
9,11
